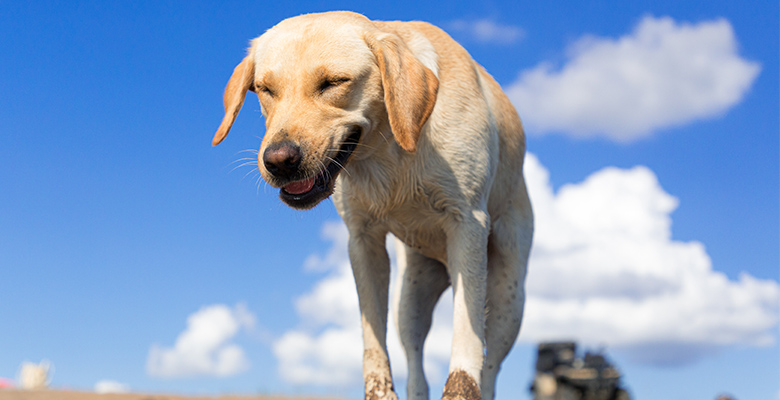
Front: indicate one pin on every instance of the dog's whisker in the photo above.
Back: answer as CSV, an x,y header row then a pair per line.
x,y
339,150
330,175
251,171
333,160
244,162
253,151
254,170
248,163
339,164
265,185
365,145
245,159
323,168
258,183
383,136
240,160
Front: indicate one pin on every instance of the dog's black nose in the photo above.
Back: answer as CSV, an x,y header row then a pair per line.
x,y
282,159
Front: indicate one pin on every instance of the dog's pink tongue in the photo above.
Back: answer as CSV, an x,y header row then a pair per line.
x,y
299,187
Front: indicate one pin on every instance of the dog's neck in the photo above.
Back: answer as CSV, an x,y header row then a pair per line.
x,y
374,180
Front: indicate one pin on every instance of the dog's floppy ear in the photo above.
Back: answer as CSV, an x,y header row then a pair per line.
x,y
235,92
409,87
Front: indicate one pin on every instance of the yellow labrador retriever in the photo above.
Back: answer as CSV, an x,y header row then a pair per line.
x,y
410,136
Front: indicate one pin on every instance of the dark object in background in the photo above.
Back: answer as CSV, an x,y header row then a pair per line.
x,y
562,376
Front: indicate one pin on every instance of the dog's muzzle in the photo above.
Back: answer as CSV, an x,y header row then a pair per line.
x,y
306,193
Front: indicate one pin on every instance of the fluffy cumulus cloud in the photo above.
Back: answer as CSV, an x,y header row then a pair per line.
x,y
205,347
663,74
487,31
604,270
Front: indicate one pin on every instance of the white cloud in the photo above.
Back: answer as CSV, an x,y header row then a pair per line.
x,y
204,348
331,358
663,74
487,31
109,386
604,270
337,255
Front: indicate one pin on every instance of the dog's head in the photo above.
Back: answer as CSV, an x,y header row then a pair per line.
x,y
327,84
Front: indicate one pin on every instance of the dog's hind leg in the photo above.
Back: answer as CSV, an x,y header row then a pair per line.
x,y
421,281
508,248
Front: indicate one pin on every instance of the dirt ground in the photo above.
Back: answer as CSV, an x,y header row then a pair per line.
x,y
6,394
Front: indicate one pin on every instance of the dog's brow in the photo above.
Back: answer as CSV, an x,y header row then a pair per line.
x,y
266,80
266,77
325,73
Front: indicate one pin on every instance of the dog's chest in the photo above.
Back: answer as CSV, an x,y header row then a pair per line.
x,y
418,220
413,206
420,231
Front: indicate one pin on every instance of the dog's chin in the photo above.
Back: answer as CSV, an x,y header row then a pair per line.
x,y
321,189
307,193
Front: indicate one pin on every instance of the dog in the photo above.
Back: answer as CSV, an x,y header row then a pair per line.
x,y
412,137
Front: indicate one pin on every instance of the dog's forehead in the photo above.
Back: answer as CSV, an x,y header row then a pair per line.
x,y
296,44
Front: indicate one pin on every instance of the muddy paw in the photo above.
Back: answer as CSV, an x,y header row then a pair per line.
x,y
378,388
461,386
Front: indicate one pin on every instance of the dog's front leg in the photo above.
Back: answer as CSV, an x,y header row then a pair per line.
x,y
467,265
371,267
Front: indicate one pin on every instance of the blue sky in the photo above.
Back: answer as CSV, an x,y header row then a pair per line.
x,y
127,241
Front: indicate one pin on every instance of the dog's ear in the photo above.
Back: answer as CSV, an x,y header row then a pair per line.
x,y
235,92
409,87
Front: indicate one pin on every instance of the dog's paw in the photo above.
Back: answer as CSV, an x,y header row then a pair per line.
x,y
379,388
381,396
461,386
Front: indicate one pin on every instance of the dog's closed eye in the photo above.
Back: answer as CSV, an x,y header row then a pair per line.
x,y
331,83
262,89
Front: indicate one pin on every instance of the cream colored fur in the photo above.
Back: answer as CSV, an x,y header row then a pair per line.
x,y
439,165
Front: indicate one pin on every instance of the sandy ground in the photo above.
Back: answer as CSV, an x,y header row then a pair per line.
x,y
6,394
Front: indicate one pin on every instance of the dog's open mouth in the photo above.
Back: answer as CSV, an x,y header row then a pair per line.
x,y
307,193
